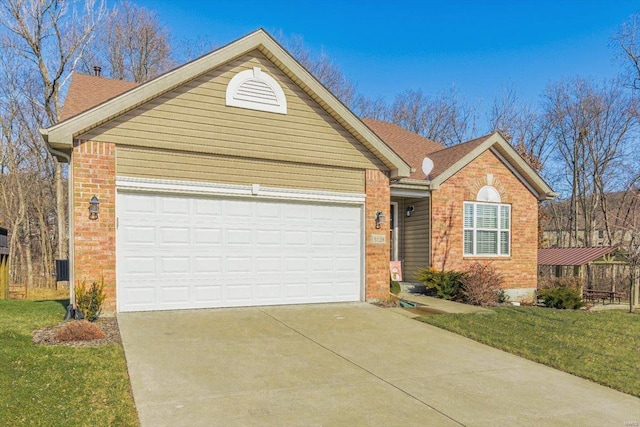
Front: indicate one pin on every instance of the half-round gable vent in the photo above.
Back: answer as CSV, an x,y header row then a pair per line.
x,y
256,90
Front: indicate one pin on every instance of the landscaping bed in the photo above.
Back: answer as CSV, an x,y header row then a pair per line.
x,y
600,346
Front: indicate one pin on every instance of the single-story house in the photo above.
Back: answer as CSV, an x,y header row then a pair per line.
x,y
238,179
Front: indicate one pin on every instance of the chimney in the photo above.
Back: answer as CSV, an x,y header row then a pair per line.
x,y
97,70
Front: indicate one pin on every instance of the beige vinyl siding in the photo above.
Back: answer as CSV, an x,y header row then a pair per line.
x,y
194,118
414,236
162,164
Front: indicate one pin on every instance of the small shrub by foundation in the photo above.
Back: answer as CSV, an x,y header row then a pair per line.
x,y
447,284
79,330
89,300
395,287
482,285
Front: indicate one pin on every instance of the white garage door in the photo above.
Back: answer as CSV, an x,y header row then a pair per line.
x,y
177,252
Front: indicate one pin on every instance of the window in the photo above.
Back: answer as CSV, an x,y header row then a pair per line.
x,y
487,229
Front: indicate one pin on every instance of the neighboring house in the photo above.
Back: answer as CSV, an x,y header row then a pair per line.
x,y
617,227
238,180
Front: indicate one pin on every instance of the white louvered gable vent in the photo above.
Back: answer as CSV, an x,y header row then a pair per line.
x,y
256,90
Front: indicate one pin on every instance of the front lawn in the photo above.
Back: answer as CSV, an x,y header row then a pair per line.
x,y
601,346
57,385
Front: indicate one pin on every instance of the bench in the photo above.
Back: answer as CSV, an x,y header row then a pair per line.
x,y
596,295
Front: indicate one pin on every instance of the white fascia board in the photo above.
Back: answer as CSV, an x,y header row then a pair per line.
x,y
250,191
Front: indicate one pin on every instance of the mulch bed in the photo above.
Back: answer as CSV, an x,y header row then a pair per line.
x,y
109,325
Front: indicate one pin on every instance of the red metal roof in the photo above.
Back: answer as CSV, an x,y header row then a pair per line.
x,y
572,256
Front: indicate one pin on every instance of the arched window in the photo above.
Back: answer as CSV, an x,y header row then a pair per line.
x,y
256,90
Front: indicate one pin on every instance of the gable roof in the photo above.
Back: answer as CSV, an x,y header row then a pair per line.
x,y
413,148
60,136
87,91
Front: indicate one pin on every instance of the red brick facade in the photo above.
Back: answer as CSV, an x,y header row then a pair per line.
x,y
377,253
519,269
94,174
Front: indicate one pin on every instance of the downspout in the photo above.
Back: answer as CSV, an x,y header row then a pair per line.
x,y
57,153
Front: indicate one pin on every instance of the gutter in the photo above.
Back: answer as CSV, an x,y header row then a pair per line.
x,y
67,157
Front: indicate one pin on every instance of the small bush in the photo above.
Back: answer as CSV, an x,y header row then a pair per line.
x,y
482,284
79,330
395,287
89,301
562,297
447,284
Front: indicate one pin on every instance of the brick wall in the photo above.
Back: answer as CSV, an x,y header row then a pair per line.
x,y
377,254
520,269
94,174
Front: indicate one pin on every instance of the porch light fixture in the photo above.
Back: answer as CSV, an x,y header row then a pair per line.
x,y
380,219
94,208
410,210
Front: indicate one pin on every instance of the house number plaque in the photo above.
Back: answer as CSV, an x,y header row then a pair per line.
x,y
378,239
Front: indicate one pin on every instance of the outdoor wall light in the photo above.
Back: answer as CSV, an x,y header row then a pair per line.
x,y
380,219
410,210
94,208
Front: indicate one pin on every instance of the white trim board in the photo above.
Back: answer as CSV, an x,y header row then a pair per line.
x,y
253,190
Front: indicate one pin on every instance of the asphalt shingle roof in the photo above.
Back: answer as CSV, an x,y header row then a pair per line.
x,y
87,91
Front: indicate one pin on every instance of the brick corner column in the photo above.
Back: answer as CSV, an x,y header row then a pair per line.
x,y
377,249
94,174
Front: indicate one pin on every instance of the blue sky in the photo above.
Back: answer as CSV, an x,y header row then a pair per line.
x,y
386,47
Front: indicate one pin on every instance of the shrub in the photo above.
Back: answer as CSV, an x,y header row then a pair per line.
x,y
562,297
395,287
79,330
482,284
447,284
89,301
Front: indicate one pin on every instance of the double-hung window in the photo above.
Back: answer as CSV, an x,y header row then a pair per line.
x,y
487,229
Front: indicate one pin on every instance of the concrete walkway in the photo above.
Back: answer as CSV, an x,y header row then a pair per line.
x,y
442,305
343,365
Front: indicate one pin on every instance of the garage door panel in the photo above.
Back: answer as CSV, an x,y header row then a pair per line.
x,y
202,236
196,252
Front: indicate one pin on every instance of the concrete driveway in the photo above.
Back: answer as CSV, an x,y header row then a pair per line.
x,y
343,365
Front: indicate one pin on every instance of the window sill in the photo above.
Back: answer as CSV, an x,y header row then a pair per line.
x,y
487,257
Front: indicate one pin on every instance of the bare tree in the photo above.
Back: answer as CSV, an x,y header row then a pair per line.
x,y
323,68
42,42
371,108
131,44
627,40
443,118
591,126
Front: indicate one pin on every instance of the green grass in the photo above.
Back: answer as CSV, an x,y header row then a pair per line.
x,y
601,346
57,385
